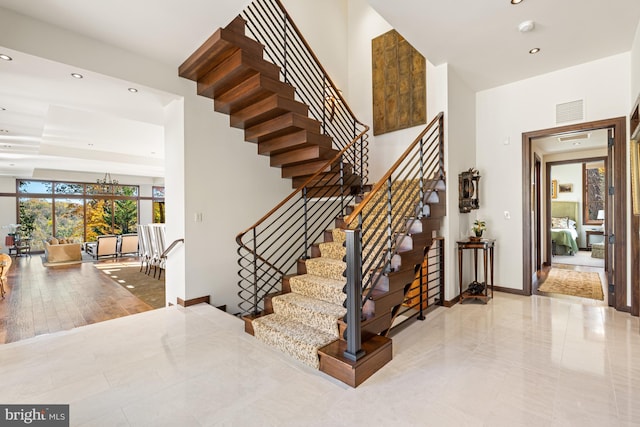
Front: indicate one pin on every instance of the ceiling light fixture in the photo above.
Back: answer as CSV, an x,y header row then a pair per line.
x,y
5,57
3,109
132,90
107,183
577,136
76,75
516,1
526,26
534,50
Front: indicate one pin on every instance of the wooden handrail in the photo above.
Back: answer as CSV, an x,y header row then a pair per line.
x,y
351,217
170,248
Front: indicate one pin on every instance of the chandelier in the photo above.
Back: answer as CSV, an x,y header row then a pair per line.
x,y
107,183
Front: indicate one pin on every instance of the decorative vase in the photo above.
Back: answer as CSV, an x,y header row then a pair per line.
x,y
477,237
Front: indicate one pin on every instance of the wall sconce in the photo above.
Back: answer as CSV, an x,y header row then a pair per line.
x,y
468,188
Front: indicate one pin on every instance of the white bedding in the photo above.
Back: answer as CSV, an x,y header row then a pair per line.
x,y
571,231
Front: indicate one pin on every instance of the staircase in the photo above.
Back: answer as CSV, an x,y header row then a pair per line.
x,y
298,268
229,68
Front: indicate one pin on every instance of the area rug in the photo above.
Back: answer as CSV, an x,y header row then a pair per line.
x,y
128,275
575,283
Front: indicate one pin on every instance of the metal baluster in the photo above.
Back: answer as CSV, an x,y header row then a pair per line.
x,y
354,295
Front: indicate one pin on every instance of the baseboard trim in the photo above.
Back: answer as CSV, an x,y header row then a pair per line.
x,y
451,303
510,290
194,301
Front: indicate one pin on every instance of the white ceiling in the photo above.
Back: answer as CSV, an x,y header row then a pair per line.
x,y
578,141
52,118
481,42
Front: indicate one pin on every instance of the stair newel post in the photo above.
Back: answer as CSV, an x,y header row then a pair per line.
x,y
255,273
441,144
421,315
306,222
341,184
389,222
421,201
354,295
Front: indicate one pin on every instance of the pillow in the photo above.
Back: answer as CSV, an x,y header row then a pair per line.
x,y
572,224
62,241
53,241
560,222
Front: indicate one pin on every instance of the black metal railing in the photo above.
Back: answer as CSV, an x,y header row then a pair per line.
x,y
383,218
271,248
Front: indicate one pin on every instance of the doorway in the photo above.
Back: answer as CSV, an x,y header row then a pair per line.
x,y
617,204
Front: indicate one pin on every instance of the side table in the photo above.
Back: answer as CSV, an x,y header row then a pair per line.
x,y
486,246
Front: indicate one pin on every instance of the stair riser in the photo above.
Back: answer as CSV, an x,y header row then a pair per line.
x,y
293,141
234,70
254,89
303,154
320,321
267,109
283,125
384,303
298,350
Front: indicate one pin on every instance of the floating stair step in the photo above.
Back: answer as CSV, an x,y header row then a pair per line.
x,y
326,267
328,191
219,47
395,280
370,326
381,302
254,89
302,155
266,109
321,288
317,314
311,168
334,250
330,178
293,338
234,70
279,126
293,141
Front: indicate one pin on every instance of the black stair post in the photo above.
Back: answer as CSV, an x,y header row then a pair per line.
x,y
354,295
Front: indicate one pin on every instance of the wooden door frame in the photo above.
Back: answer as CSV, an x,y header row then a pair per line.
x,y
620,183
548,166
537,164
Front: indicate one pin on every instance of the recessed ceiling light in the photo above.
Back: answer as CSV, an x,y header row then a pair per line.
x,y
132,90
4,131
526,26
5,57
516,1
76,75
90,144
534,50
3,109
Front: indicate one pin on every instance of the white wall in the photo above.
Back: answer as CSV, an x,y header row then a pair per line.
x,y
635,67
505,112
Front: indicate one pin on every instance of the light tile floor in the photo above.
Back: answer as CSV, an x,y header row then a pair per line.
x,y
518,361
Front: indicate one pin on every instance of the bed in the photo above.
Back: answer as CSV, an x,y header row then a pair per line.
x,y
564,235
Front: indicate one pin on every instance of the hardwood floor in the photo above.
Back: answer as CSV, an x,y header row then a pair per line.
x,y
42,300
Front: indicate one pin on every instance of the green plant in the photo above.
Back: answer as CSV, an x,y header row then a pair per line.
x,y
478,227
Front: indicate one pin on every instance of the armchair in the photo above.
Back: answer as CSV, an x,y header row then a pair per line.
x,y
103,246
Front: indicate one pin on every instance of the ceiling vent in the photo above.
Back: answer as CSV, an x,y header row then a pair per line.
x,y
570,111
575,137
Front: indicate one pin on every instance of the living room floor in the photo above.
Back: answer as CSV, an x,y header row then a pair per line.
x,y
42,300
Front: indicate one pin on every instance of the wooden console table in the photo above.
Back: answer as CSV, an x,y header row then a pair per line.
x,y
486,246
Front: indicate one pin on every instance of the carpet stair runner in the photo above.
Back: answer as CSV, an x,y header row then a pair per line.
x,y
307,316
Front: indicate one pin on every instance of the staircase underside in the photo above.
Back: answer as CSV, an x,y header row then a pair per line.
x,y
229,68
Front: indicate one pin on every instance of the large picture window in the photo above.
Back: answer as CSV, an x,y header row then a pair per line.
x,y
81,211
158,205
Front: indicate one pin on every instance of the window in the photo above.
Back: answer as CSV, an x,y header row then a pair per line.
x,y
158,205
81,211
594,192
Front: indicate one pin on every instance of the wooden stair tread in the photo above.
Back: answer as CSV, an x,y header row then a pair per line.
x,y
239,66
222,44
292,141
279,126
253,89
302,155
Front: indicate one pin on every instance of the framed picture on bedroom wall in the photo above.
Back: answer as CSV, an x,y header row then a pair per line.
x,y
554,188
565,188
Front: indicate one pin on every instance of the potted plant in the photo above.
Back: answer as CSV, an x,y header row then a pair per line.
x,y
478,228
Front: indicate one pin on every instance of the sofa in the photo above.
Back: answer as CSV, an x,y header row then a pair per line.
x,y
55,251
